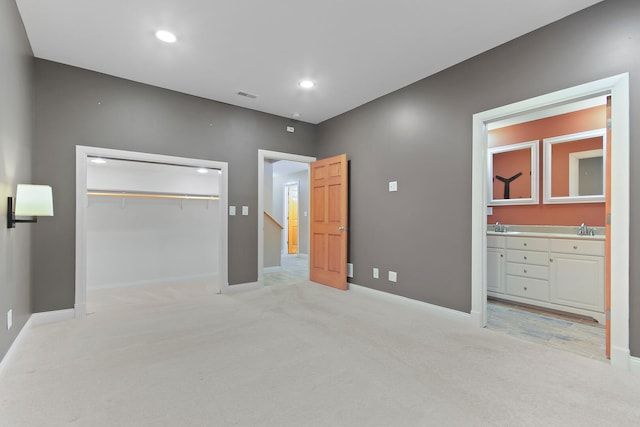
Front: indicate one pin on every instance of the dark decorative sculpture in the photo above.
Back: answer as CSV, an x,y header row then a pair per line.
x,y
507,181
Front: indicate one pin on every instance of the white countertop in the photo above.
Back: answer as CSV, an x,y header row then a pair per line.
x,y
545,235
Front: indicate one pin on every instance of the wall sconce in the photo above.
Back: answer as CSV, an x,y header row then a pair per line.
x,y
31,200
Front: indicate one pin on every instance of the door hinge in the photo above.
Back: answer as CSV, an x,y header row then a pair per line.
x,y
609,218
609,124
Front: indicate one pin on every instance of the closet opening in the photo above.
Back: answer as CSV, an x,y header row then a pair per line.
x,y
148,226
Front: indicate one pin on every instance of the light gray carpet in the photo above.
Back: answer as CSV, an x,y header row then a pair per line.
x,y
296,355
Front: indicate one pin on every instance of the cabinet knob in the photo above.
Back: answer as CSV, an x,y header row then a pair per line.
x,y
550,259
525,288
525,244
575,247
525,272
525,257
501,256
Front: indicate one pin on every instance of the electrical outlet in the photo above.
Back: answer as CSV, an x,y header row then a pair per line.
x,y
232,210
9,319
349,269
376,273
393,276
393,185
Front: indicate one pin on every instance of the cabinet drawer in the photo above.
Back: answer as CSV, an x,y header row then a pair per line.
x,y
580,247
528,257
528,243
524,270
495,241
528,288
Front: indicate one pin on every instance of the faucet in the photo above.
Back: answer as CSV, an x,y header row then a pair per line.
x,y
499,228
583,230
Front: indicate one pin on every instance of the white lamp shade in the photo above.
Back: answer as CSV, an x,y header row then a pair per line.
x,y
34,200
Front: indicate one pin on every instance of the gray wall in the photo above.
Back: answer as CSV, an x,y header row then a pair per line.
x,y
16,107
421,136
80,107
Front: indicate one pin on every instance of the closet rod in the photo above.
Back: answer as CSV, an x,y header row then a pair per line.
x,y
152,196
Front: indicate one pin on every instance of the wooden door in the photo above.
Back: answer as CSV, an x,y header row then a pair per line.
x,y
607,238
292,219
328,251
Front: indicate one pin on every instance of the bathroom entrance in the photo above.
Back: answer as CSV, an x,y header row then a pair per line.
x,y
550,252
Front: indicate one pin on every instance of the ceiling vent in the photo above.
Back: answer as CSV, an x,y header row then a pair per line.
x,y
247,95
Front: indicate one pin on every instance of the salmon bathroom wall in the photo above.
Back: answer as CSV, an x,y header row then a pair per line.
x,y
571,214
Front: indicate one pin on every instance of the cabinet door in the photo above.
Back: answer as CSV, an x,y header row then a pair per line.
x,y
577,281
495,270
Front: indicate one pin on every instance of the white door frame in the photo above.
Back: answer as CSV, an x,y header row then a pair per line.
x,y
271,155
618,87
82,153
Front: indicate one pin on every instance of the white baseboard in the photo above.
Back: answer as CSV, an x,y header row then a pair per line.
x,y
14,345
634,364
436,309
476,319
52,316
243,287
620,358
274,269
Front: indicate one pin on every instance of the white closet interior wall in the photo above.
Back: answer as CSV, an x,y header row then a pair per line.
x,y
133,241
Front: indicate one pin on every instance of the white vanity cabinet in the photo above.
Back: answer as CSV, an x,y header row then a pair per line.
x,y
557,273
495,263
577,274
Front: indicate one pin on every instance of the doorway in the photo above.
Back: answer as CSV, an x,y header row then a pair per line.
x,y
618,88
143,201
272,181
548,293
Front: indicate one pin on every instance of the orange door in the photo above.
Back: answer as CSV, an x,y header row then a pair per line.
x,y
328,251
607,238
292,219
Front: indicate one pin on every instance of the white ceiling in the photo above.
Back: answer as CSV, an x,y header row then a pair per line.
x,y
356,50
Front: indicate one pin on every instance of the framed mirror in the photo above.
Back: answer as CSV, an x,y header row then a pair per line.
x,y
574,167
513,174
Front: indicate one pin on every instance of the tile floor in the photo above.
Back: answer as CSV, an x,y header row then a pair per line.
x,y
573,334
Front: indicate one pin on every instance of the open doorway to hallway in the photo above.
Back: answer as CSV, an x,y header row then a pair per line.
x,y
283,200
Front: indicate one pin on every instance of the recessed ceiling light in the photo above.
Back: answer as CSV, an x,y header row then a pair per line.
x,y
166,36
306,84
98,160
203,170
296,115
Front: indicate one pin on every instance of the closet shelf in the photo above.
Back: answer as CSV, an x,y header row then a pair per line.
x,y
149,195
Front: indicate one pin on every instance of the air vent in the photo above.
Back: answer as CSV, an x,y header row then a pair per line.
x,y
247,95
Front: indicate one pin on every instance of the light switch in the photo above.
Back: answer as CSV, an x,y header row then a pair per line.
x,y
393,185
376,273
489,210
393,276
245,210
232,210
